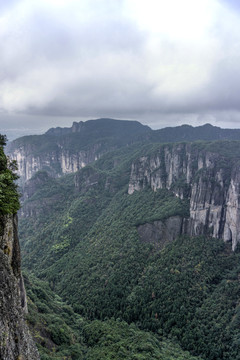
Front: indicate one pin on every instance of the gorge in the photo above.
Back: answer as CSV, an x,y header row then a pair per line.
x,y
143,232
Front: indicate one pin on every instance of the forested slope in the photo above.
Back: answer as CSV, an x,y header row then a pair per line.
x,y
81,234
61,333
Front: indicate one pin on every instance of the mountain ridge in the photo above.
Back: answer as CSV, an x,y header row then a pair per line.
x,y
66,150
82,233
136,234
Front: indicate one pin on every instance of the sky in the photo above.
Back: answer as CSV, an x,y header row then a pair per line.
x,y
164,63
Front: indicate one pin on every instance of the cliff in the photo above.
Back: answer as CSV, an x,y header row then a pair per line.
x,y
15,339
57,162
66,150
103,250
192,172
205,176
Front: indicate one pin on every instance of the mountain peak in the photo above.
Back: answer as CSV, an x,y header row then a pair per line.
x,y
111,125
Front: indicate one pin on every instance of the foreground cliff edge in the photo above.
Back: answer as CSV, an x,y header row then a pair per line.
x,y
15,339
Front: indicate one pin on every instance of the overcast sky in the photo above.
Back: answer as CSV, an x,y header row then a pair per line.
x,y
161,62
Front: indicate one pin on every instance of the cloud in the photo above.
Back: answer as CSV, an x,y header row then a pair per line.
x,y
128,58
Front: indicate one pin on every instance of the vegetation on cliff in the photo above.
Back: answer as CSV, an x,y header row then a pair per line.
x,y
102,291
61,150
15,339
9,197
82,239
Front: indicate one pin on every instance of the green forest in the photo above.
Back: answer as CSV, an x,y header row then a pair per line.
x,y
97,289
9,198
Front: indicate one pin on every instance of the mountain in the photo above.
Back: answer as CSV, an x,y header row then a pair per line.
x,y
66,150
137,236
207,174
189,133
15,339
138,241
60,332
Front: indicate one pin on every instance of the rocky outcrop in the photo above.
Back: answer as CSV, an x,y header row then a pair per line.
x,y
210,181
66,150
160,233
15,339
56,162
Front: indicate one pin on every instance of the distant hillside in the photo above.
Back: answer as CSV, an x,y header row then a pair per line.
x,y
190,133
66,150
122,128
103,128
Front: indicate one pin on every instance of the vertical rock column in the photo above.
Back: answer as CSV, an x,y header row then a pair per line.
x,y
15,340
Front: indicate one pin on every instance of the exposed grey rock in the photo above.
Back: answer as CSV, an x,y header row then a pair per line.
x,y
232,220
188,171
67,150
15,339
160,233
56,163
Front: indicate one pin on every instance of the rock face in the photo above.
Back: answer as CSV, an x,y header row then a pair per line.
x,y
210,181
57,162
67,150
15,340
160,233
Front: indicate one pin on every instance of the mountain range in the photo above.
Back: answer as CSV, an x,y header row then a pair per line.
x,y
65,150
130,240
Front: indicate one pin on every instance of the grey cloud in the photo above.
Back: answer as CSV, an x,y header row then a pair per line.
x,y
225,86
51,36
221,92
83,69
44,39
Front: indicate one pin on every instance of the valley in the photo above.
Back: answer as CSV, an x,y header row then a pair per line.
x,y
129,241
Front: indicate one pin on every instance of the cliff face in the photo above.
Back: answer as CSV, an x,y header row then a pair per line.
x,y
57,162
160,233
67,150
210,182
15,340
